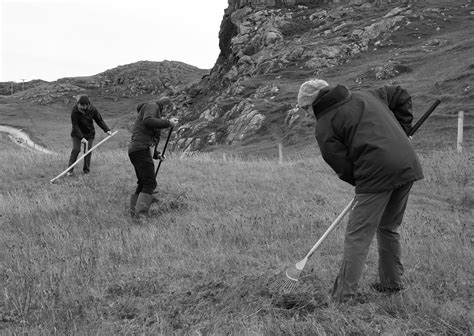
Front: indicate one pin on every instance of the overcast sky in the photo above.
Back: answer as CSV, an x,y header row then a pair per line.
x,y
51,39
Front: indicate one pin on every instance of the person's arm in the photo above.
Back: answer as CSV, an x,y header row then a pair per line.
x,y
400,103
75,125
150,111
100,122
335,154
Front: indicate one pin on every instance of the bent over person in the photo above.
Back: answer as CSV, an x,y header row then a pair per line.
x,y
83,116
145,134
362,135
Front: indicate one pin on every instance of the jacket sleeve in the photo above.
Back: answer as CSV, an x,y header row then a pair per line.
x,y
150,119
335,154
400,103
76,131
98,119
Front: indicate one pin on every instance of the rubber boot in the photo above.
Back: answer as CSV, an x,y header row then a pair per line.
x,y
133,203
143,204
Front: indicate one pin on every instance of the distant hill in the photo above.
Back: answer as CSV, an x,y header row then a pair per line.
x,y
131,80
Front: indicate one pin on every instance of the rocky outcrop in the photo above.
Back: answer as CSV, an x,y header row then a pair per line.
x,y
259,38
132,80
51,92
148,78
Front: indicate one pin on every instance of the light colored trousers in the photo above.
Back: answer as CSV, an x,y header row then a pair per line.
x,y
380,213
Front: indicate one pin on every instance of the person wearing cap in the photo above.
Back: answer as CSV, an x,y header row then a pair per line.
x,y
83,116
146,133
362,135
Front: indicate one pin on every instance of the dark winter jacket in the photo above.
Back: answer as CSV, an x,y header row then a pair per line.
x,y
146,130
363,136
82,122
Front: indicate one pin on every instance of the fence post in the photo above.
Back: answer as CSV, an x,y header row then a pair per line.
x,y
280,153
460,131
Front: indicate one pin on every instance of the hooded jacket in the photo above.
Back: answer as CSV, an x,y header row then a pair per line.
x,y
82,122
362,135
146,130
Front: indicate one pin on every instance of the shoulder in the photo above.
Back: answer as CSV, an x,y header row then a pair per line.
x,y
149,106
93,109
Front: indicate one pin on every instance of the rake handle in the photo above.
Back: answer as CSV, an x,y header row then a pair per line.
x,y
424,117
164,150
331,227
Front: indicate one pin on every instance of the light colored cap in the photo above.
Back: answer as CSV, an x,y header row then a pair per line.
x,y
163,101
309,91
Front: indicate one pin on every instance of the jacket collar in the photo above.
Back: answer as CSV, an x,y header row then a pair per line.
x,y
329,99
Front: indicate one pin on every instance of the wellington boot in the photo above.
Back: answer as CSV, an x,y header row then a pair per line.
x,y
133,203
143,204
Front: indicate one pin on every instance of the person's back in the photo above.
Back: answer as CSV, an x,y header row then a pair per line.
x,y
146,128
376,143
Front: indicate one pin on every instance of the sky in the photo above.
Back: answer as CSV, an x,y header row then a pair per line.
x,y
52,39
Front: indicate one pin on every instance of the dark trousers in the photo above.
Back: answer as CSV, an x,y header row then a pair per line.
x,y
145,170
374,214
76,148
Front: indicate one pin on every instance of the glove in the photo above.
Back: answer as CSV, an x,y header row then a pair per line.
x,y
109,132
84,141
173,121
158,156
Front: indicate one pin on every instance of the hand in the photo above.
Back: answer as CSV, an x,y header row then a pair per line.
x,y
410,138
84,141
109,132
173,121
158,156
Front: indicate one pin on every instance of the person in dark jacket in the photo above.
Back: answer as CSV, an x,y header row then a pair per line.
x,y
82,117
362,135
145,134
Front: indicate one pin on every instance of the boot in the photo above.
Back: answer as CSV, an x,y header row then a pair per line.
x,y
143,204
133,203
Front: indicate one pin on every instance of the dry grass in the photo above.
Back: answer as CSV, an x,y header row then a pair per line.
x,y
72,261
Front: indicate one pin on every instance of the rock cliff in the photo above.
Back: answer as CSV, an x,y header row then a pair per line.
x,y
269,47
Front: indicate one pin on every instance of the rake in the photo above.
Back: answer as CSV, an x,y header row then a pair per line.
x,y
293,272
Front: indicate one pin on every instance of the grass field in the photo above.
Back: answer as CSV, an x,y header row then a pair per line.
x,y
221,233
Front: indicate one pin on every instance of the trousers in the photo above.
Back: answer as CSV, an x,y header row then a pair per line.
x,y
379,214
76,148
142,162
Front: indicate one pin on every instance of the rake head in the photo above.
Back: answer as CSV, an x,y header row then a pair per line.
x,y
290,281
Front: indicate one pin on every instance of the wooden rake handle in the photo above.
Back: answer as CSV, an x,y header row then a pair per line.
x,y
83,156
348,207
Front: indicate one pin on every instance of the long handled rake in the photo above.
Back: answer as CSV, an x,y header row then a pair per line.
x,y
293,272
83,156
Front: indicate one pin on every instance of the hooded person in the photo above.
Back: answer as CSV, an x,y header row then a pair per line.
x,y
146,133
83,116
362,135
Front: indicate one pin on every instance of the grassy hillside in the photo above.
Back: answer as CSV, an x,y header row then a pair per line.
x,y
225,227
221,233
